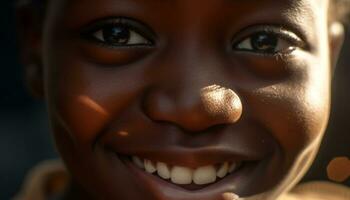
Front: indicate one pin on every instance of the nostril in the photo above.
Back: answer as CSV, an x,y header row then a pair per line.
x,y
194,110
158,106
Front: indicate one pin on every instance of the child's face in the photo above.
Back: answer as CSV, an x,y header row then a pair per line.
x,y
191,84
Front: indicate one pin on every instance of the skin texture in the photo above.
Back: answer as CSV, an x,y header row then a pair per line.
x,y
188,96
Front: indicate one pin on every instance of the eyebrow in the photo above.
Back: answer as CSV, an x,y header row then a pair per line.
x,y
302,17
299,17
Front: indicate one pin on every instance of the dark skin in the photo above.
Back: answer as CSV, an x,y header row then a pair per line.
x,y
187,83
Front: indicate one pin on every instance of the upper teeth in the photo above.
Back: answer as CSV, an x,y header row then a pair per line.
x,y
163,170
185,175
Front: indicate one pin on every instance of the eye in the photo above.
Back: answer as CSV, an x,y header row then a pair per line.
x,y
269,42
119,33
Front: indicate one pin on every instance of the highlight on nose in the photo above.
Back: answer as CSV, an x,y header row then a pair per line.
x,y
221,102
194,109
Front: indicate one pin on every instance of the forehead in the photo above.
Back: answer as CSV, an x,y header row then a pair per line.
x,y
190,9
303,16
174,4
156,6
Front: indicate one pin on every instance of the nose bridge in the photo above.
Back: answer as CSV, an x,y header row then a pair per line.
x,y
197,63
190,94
189,70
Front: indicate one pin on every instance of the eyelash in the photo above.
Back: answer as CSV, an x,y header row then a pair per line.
x,y
140,35
95,33
280,34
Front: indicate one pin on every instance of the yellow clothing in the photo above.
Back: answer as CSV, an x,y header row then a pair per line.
x,y
50,178
44,181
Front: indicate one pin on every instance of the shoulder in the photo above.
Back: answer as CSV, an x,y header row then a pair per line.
x,y
45,180
319,190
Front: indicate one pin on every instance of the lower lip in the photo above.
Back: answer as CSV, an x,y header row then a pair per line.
x,y
238,182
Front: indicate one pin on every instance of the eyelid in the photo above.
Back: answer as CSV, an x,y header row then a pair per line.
x,y
279,31
134,25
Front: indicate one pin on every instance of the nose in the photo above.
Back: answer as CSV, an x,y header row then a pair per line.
x,y
193,89
194,109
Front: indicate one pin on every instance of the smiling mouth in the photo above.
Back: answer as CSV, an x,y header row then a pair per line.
x,y
169,164
186,177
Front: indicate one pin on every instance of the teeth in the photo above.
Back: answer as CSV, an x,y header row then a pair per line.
x,y
184,175
181,175
233,166
150,168
221,173
204,175
163,170
138,162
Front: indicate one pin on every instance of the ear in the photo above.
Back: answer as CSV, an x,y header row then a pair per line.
x,y
29,32
336,40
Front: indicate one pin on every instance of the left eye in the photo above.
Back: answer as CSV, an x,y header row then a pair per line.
x,y
119,35
265,43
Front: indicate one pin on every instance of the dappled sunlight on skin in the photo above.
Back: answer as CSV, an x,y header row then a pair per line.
x,y
214,96
87,101
338,169
123,133
87,117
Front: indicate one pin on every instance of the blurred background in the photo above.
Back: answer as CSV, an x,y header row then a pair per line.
x,y
25,138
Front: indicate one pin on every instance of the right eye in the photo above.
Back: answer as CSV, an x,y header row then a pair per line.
x,y
120,33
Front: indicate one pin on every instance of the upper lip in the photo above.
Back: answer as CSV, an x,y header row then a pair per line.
x,y
238,144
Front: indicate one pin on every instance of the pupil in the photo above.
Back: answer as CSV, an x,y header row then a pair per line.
x,y
264,42
116,34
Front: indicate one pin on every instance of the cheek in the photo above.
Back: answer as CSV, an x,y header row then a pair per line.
x,y
84,95
84,98
314,99
296,110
